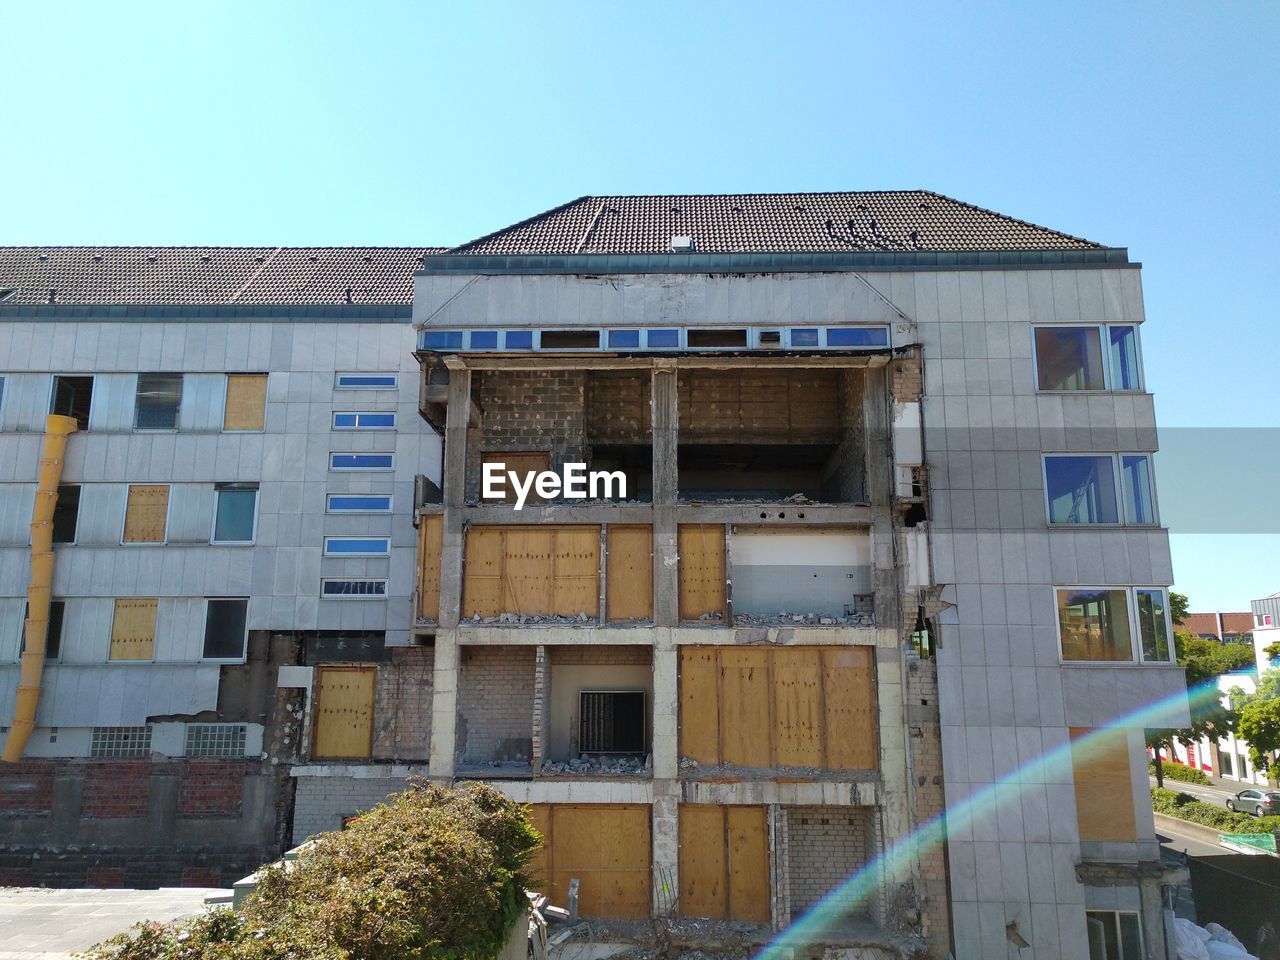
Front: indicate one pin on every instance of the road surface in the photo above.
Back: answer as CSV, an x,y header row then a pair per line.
x,y
1215,795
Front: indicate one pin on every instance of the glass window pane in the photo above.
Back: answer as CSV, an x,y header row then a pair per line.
x,y
1124,357
159,396
661,339
73,397
484,339
624,339
1081,489
1135,478
65,513
857,337
1094,625
357,546
355,503
1153,626
519,340
234,520
1069,358
224,629
1130,936
804,338
442,339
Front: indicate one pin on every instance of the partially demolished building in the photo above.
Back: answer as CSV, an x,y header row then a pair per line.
x,y
887,558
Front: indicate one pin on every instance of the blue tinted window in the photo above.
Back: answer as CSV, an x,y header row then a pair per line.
x,y
1135,478
1124,357
357,503
364,420
357,546
624,339
662,338
484,339
362,461
857,337
1081,489
519,340
442,339
368,381
804,338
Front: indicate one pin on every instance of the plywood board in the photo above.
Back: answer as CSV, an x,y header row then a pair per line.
x,y
606,847
747,839
539,864
704,890
702,574
430,543
146,514
744,707
629,573
344,712
851,727
575,570
246,405
1103,785
532,570
797,707
521,463
482,583
133,629
699,704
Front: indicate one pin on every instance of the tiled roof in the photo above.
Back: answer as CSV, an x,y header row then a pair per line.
x,y
892,220
1207,623
209,275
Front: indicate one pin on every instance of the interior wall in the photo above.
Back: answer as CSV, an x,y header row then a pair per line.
x,y
574,669
811,571
495,704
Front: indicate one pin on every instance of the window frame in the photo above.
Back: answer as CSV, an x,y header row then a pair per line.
x,y
75,527
1136,657
219,488
357,415
362,453
93,392
385,581
330,497
1117,484
244,640
226,392
1115,917
1108,376
137,406
49,635
356,553
168,513
339,385
4,384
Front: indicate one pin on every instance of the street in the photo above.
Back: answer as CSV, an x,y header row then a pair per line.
x,y
1215,795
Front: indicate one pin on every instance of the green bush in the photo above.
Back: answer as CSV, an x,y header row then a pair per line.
x,y
1186,807
433,874
1180,771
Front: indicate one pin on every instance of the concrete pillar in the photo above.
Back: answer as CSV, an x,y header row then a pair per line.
x,y
879,453
666,771
454,480
666,434
444,705
541,706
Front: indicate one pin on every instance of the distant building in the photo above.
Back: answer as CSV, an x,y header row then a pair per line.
x,y
1224,627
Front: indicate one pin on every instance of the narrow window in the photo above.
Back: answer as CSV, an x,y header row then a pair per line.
x,y
1093,624
357,546
1135,478
353,588
224,629
1081,489
158,399
246,404
367,381
857,336
662,339
1228,768
66,513
484,339
362,461
73,397
133,629
1069,358
146,513
613,721
570,340
1124,357
236,512
1153,625
518,340
442,339
624,339
717,338
53,633
364,420
804,338
359,503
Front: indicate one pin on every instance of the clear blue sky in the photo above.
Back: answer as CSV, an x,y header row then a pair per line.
x,y
1151,126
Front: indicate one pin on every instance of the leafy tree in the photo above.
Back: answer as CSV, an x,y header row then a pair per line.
x,y
1179,605
1259,719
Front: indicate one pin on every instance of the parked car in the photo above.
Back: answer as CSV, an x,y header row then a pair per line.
x,y
1262,803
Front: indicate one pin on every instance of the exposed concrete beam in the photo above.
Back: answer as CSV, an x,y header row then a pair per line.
x,y
666,439
555,361
776,514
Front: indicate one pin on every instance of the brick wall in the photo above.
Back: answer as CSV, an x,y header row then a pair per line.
x,y
116,788
320,803
402,709
495,704
26,786
926,763
601,654
906,378
141,868
210,788
824,846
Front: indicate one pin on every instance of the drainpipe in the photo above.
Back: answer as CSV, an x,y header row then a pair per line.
x,y
37,626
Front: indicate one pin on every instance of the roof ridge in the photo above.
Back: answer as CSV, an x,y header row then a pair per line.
x,y
512,226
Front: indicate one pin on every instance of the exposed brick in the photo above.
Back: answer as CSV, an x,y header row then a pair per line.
x,y
495,704
402,709
201,877
105,878
116,788
26,786
211,788
601,655
826,845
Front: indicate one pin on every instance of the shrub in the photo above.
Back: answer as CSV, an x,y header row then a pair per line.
x,y
433,874
1180,771
1186,807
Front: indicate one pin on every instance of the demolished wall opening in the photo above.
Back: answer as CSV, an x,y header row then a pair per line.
x,y
813,576
598,702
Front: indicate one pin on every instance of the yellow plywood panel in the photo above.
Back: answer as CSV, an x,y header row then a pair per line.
x,y
747,839
702,576
797,707
482,582
344,712
629,575
430,542
246,407
527,570
704,890
539,863
849,689
521,463
1103,785
699,705
607,848
133,629
744,707
575,566
146,513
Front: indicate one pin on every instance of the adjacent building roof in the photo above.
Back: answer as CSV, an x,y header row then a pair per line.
x,y
877,220
209,275
1205,624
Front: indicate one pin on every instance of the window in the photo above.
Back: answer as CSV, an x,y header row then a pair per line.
x,y
570,340
353,588
216,740
224,629
1262,619
133,629
662,339
357,546
442,339
857,337
518,340
1082,488
358,503
1228,767
362,461
613,721
65,513
1099,624
1073,358
159,396
364,420
53,633
119,742
484,339
367,381
146,513
624,339
236,512
246,403
1114,935
73,397
716,338
805,337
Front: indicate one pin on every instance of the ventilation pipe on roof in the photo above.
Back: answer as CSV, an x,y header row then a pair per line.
x,y
37,626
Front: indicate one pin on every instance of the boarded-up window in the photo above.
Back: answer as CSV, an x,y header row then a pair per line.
x,y
605,846
146,513
629,576
521,464
1104,784
246,407
430,540
702,576
344,712
781,707
532,570
724,862
133,629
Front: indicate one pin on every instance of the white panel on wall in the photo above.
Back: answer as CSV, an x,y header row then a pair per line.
x,y
17,500
190,512
101,512
12,611
203,396
179,629
86,629
114,395
116,694
26,401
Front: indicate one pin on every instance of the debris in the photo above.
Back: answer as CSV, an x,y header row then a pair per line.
x,y
558,914
600,766
855,619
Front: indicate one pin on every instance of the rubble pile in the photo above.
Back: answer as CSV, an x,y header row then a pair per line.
x,y
784,618
600,766
514,618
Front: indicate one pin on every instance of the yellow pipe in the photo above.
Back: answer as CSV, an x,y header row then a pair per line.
x,y
56,429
